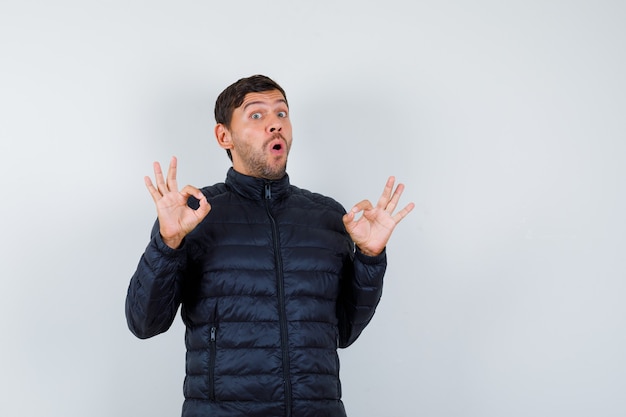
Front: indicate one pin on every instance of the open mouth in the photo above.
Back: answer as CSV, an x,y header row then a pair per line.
x,y
277,146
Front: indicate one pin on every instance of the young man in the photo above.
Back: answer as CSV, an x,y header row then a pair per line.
x,y
272,278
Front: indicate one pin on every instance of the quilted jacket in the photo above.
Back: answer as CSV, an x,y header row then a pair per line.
x,y
269,285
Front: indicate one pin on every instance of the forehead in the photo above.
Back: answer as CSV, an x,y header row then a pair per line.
x,y
271,97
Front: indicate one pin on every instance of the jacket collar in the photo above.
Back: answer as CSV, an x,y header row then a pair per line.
x,y
257,188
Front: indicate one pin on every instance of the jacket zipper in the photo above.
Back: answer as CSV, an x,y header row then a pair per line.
x,y
212,353
281,302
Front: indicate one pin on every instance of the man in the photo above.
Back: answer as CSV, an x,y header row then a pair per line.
x,y
272,279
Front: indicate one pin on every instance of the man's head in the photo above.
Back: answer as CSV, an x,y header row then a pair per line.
x,y
233,95
253,126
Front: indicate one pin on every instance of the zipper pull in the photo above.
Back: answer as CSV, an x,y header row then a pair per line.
x,y
268,191
213,330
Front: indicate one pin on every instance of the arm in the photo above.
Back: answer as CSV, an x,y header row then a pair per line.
x,y
361,289
363,280
154,293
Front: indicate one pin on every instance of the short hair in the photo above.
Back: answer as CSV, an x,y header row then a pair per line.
x,y
234,94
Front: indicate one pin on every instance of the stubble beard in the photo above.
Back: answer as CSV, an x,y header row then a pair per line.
x,y
259,164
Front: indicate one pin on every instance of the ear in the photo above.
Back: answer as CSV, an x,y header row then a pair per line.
x,y
223,136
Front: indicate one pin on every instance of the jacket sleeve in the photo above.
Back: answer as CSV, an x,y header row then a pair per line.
x,y
154,293
360,292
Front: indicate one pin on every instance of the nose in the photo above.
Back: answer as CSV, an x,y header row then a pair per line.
x,y
275,125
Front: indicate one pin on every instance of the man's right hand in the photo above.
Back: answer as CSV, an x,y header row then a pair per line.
x,y
176,218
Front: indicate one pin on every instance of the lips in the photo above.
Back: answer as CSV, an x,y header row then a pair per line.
x,y
277,146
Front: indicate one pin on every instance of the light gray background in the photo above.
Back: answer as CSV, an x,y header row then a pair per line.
x,y
505,119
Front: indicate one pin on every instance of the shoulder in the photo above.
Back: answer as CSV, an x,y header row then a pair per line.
x,y
215,190
317,200
211,192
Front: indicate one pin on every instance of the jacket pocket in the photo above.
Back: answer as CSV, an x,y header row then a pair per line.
x,y
212,353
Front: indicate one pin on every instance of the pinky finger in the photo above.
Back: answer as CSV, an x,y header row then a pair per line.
x,y
403,213
156,195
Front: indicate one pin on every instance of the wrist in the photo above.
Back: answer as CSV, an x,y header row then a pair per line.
x,y
368,252
172,242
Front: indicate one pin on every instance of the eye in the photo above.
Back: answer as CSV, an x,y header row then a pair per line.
x,y
282,114
256,116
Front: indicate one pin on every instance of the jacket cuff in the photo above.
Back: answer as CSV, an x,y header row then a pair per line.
x,y
371,260
166,250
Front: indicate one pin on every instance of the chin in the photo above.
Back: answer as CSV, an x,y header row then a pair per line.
x,y
275,174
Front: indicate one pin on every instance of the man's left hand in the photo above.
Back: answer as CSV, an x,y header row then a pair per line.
x,y
372,230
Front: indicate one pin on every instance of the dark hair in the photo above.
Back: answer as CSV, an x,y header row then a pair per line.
x,y
234,94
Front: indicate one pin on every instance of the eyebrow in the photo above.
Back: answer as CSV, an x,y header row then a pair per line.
x,y
282,100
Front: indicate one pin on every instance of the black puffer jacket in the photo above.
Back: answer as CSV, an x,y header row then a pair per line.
x,y
270,286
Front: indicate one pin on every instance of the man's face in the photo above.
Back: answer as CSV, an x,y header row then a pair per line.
x,y
259,137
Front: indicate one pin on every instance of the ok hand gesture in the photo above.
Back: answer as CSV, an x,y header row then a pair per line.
x,y
176,218
372,230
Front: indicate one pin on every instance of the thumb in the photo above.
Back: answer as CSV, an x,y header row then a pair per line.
x,y
348,218
204,207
